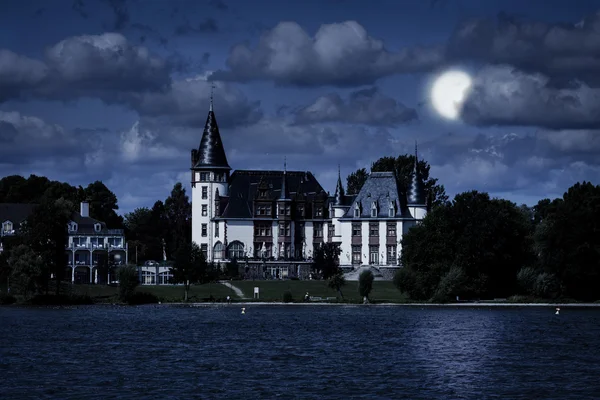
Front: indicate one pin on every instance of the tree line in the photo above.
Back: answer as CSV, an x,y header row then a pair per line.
x,y
472,247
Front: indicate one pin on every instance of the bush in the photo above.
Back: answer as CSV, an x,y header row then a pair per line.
x,y
526,279
60,300
365,283
287,297
546,285
139,298
7,299
450,286
128,281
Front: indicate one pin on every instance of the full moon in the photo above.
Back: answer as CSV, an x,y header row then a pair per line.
x,y
449,92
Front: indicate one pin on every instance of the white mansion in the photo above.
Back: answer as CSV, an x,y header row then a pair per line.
x,y
93,250
277,218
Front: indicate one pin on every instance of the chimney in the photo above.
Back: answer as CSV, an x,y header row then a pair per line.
x,y
85,209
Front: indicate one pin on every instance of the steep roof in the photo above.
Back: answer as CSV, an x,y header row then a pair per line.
x,y
416,191
339,191
15,213
381,188
210,153
243,189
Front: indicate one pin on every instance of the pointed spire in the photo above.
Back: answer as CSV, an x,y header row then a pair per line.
x,y
416,191
284,193
339,190
211,153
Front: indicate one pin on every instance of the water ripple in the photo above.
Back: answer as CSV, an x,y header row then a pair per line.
x,y
298,353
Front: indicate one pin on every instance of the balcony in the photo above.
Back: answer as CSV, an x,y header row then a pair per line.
x,y
91,246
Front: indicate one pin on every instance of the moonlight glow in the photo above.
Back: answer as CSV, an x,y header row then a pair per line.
x,y
449,92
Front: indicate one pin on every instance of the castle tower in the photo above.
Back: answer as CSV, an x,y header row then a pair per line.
x,y
339,208
416,197
210,176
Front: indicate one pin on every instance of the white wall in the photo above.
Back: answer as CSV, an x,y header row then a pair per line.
x,y
382,242
242,231
198,219
364,231
346,247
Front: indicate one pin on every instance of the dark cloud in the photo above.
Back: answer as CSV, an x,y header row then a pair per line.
x,y
185,101
559,50
120,12
219,5
109,68
209,25
149,33
104,63
341,54
502,95
19,73
79,7
367,106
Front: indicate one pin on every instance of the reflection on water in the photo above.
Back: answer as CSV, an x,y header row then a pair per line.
x,y
296,352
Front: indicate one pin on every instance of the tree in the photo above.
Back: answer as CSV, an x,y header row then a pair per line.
x,y
365,284
45,232
103,204
178,211
26,270
128,281
356,180
336,282
483,241
326,259
567,241
403,167
190,266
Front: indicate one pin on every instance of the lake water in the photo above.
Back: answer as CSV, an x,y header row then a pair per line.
x,y
299,352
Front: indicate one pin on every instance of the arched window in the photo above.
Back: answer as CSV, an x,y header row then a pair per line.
x,y
235,250
7,227
218,251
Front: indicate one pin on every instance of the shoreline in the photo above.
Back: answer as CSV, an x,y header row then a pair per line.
x,y
265,303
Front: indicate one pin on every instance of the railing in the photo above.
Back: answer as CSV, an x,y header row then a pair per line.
x,y
91,246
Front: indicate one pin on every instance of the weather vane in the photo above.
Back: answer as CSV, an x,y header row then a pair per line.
x,y
212,88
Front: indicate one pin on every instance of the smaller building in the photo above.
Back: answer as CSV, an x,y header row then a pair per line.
x,y
91,244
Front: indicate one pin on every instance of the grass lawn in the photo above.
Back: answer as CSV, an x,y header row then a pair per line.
x,y
383,291
166,293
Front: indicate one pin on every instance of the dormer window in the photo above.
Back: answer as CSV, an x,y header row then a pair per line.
x,y
7,227
374,209
392,210
357,211
72,227
97,227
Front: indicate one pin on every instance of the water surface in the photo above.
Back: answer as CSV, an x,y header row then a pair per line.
x,y
299,352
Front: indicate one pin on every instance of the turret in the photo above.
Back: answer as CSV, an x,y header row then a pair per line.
x,y
210,174
415,196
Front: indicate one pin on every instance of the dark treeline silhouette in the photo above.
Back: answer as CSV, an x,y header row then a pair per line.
x,y
473,247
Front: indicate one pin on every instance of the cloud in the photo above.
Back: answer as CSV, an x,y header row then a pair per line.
x,y
209,25
218,4
558,50
24,139
340,54
186,102
18,73
110,68
502,95
367,106
82,66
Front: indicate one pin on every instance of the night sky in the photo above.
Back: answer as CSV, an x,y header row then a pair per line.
x,y
119,90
